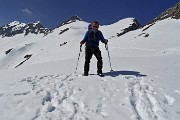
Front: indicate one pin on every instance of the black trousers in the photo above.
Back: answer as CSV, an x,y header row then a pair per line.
x,y
88,55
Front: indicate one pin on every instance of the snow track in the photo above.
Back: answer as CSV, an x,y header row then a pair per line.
x,y
56,98
145,105
60,99
76,97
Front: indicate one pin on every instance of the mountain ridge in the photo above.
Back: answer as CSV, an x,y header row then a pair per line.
x,y
172,12
17,27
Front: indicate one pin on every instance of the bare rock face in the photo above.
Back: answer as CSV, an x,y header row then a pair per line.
x,y
173,12
134,26
36,28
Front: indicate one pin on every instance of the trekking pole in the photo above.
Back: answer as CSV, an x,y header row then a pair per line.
x,y
106,46
78,58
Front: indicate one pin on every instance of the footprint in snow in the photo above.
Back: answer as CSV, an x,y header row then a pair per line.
x,y
104,80
176,91
49,107
168,100
100,110
1,94
24,93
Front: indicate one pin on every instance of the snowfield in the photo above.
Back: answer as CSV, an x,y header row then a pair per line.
x,y
37,79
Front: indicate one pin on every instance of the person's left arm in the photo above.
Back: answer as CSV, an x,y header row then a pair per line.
x,y
102,38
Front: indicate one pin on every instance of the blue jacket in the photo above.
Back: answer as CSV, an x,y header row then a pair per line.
x,y
92,39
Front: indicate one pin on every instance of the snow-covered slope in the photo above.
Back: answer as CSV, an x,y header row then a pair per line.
x,y
54,46
121,27
37,79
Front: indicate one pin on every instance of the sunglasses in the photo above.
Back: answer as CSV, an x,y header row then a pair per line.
x,y
95,26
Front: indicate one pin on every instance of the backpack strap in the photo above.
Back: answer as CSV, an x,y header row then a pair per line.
x,y
89,33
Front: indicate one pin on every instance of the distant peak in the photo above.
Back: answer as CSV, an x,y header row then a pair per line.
x,y
137,22
38,22
178,3
14,23
16,27
75,17
71,20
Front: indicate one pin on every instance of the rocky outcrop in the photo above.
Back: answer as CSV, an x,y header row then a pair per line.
x,y
71,20
134,26
173,12
36,28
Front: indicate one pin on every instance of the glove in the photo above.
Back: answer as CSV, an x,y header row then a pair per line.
x,y
81,43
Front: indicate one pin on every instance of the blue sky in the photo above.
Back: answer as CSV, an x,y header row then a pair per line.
x,y
53,12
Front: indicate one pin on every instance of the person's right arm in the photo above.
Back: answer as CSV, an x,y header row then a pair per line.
x,y
84,39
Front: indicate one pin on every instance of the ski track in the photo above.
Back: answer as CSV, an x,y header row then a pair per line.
x,y
144,102
62,100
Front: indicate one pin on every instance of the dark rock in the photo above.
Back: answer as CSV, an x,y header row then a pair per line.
x,y
136,25
148,26
36,28
147,35
63,43
141,34
8,51
62,31
27,57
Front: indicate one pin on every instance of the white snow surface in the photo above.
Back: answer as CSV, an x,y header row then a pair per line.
x,y
143,86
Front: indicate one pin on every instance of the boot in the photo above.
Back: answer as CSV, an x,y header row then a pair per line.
x,y
85,74
99,72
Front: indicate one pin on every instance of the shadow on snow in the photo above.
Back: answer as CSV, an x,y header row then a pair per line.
x,y
117,73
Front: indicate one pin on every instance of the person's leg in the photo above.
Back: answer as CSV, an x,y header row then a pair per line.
x,y
97,53
88,56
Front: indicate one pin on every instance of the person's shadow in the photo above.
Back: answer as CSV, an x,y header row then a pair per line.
x,y
117,73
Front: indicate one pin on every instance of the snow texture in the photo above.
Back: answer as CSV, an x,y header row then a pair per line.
x,y
143,86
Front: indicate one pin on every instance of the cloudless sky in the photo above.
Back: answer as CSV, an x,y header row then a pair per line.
x,y
53,12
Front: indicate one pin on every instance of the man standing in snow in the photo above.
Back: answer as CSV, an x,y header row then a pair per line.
x,y
92,38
